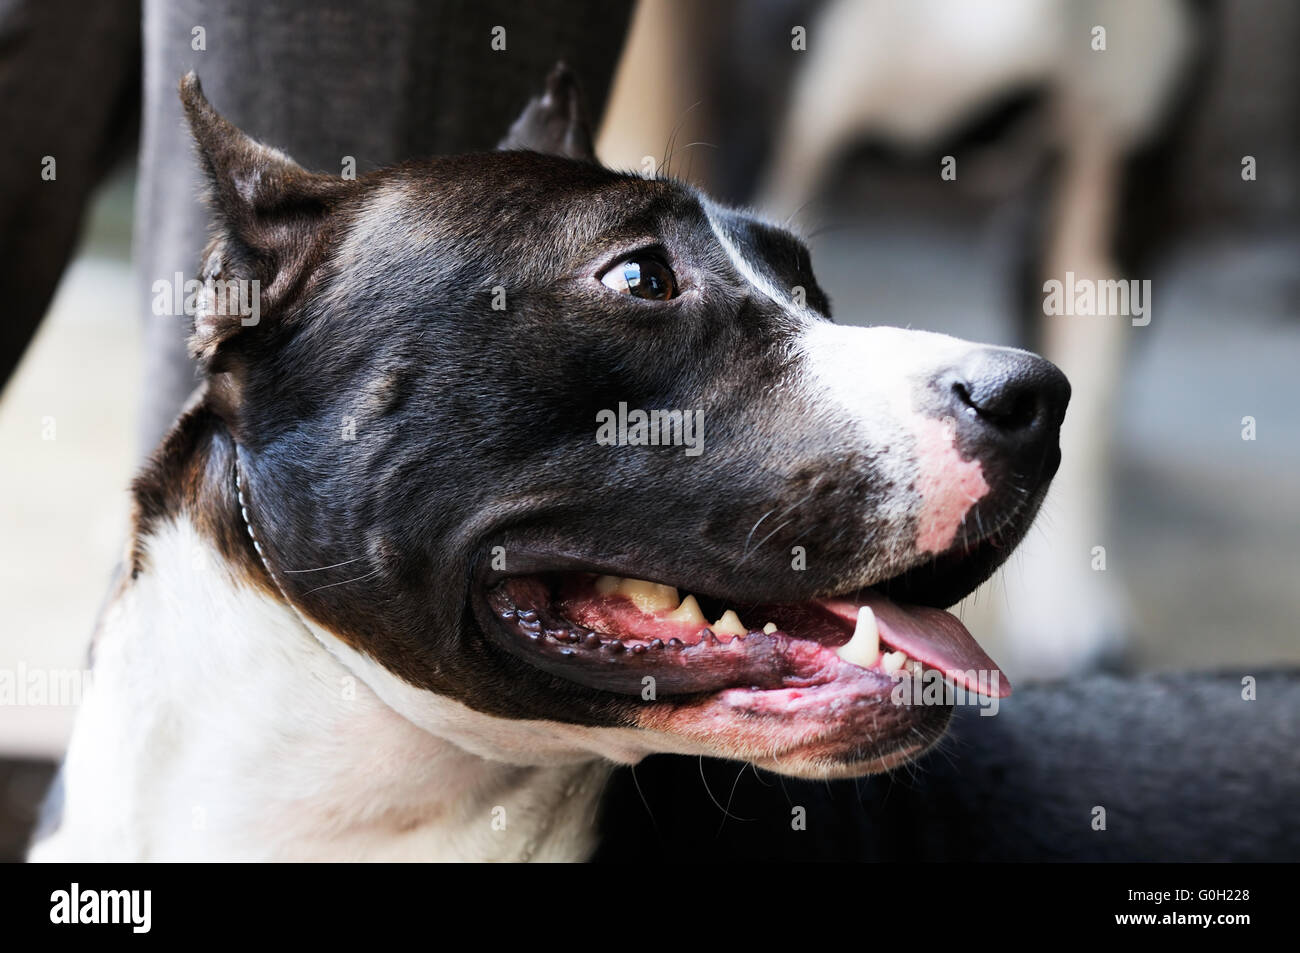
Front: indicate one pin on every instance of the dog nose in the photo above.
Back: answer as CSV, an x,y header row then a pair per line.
x,y
1006,400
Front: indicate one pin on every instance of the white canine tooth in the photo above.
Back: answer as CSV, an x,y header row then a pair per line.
x,y
688,611
607,585
864,648
729,624
916,668
893,661
769,628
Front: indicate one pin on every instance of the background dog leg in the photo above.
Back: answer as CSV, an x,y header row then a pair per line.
x,y
1069,615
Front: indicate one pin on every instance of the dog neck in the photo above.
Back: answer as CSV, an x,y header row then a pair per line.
x,y
221,724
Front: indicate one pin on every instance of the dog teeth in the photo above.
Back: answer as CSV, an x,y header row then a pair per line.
x,y
652,597
769,628
649,596
864,648
893,661
729,624
688,611
646,596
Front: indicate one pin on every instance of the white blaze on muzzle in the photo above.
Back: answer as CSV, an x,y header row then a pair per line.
x,y
871,378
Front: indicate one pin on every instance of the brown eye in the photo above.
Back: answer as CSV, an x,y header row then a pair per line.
x,y
642,276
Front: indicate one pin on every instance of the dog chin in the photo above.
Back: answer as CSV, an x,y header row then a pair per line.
x,y
838,730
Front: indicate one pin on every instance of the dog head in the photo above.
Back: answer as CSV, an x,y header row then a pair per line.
x,y
566,461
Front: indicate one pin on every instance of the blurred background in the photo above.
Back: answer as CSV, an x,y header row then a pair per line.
x,y
849,133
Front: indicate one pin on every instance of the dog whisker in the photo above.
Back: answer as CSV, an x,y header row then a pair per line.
x,y
753,528
323,568
698,142
672,136
640,793
708,791
790,509
343,583
732,797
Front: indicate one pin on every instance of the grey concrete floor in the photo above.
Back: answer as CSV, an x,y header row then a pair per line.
x,y
67,427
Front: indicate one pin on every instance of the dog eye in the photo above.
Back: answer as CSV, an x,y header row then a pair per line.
x,y
642,276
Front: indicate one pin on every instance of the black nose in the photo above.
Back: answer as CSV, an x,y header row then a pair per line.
x,y
1009,401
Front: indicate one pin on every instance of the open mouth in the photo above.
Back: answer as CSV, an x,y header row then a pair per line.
x,y
617,633
831,684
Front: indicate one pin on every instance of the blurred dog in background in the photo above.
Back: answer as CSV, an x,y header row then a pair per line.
x,y
1073,110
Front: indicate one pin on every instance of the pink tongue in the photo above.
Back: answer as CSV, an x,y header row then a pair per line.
x,y
931,636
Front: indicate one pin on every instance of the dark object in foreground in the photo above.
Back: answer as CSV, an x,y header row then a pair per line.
x,y
1184,767
23,783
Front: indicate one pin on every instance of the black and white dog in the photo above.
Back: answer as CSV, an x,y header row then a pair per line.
x,y
415,570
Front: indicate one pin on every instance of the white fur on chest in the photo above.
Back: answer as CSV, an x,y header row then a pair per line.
x,y
217,727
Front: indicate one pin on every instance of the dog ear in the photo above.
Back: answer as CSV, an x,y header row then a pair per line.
x,y
555,122
270,216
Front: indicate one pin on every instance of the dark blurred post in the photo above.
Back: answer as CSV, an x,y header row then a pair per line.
x,y
379,82
69,107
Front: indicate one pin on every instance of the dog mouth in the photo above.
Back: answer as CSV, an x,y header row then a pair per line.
x,y
623,635
834,683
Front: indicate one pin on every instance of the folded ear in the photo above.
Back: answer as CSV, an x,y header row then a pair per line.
x,y
271,216
555,122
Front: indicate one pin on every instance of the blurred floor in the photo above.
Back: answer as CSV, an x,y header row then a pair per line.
x,y
63,501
